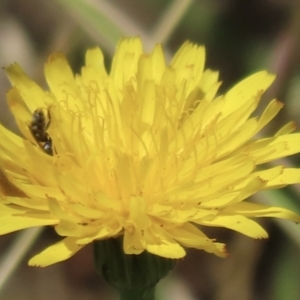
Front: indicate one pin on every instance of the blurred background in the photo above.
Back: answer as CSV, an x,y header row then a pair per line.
x,y
241,37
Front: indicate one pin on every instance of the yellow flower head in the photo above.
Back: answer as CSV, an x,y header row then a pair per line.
x,y
148,152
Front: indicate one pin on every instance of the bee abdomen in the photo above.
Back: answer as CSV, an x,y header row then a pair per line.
x,y
38,128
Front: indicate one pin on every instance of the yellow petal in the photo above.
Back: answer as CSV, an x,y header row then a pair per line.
x,y
252,187
269,113
32,94
238,138
237,223
110,229
258,210
13,223
57,211
71,229
55,253
275,147
158,63
18,107
167,249
57,80
29,203
94,58
189,63
190,236
7,188
246,89
94,74
288,176
9,139
124,64
209,84
158,243
148,103
9,210
286,129
138,213
62,83
132,242
224,178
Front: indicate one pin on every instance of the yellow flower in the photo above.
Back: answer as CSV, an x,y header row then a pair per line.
x,y
148,152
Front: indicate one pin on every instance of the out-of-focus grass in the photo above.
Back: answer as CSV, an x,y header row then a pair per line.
x,y
286,273
95,22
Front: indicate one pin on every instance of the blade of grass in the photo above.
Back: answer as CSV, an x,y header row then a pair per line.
x,y
15,253
170,19
95,22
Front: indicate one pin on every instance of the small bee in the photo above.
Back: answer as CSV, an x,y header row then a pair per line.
x,y
38,128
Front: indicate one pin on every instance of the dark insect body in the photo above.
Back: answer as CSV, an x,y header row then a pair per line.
x,y
38,128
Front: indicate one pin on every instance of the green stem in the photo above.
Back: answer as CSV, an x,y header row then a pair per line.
x,y
138,295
